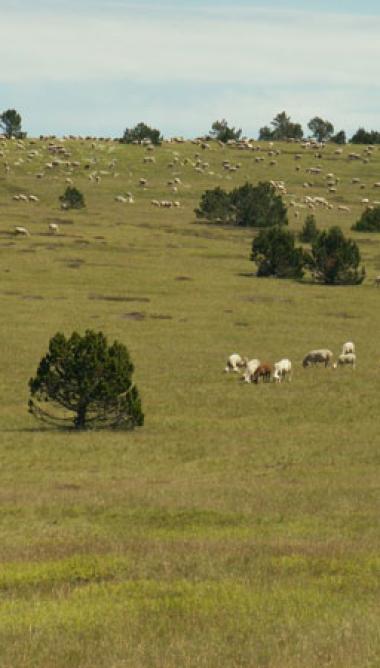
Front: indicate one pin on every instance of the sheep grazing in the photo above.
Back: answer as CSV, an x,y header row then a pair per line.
x,y
348,347
250,369
53,228
235,363
282,370
21,231
322,356
264,371
345,359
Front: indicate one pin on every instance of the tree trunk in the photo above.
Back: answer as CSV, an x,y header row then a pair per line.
x,y
80,420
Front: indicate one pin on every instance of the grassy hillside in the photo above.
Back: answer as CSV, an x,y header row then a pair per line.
x,y
240,525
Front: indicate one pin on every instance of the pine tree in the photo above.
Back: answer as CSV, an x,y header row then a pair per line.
x,y
89,380
275,254
335,260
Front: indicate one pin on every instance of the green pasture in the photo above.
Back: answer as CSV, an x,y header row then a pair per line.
x,y
240,525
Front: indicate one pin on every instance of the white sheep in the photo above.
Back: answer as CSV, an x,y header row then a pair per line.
x,y
348,347
22,231
250,369
235,363
346,359
321,356
282,370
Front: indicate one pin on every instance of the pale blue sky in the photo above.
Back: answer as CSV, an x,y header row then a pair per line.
x,y
99,66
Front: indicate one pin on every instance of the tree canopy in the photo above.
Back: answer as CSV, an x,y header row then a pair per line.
x,y
88,379
221,131
258,206
283,128
309,230
369,221
10,123
274,252
363,136
72,198
339,138
216,206
246,206
141,132
334,259
321,129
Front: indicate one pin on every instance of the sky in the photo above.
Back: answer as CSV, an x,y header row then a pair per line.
x,y
96,67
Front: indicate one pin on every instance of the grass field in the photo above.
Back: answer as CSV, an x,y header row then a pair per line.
x,y
240,525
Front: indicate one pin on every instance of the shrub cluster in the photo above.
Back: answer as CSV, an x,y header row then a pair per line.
x,y
246,206
333,259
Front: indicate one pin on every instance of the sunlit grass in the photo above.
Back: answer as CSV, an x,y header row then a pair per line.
x,y
239,526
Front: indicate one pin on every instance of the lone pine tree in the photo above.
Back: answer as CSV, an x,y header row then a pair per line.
x,y
87,382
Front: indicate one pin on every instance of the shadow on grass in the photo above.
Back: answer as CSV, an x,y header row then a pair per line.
x,y
35,430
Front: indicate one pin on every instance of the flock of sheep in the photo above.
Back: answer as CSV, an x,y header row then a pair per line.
x,y
254,370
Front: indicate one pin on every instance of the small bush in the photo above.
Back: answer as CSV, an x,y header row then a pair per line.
x,y
215,205
369,221
72,198
258,206
335,260
275,254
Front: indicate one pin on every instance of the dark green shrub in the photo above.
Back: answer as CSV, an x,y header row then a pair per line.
x,y
309,230
72,198
88,379
369,221
274,252
258,206
215,205
248,205
335,260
